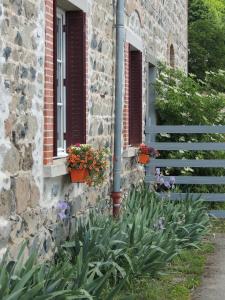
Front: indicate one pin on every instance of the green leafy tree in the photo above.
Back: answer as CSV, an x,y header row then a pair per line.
x,y
206,36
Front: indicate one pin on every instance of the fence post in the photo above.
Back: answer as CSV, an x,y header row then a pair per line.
x,y
150,117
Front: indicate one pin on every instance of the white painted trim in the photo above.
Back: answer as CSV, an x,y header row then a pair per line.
x,y
130,152
81,4
134,40
62,46
58,168
69,4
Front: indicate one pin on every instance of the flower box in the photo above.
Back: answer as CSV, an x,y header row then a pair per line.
x,y
78,175
143,159
86,164
145,153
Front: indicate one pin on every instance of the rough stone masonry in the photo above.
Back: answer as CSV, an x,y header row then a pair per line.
x,y
28,194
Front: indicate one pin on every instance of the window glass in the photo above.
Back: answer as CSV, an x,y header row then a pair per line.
x,y
61,101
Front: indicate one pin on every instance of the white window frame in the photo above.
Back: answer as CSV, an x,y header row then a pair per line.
x,y
61,142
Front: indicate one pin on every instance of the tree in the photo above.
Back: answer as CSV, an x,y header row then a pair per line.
x,y
206,36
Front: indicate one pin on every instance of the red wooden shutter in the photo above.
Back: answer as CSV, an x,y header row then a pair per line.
x,y
135,97
54,80
76,77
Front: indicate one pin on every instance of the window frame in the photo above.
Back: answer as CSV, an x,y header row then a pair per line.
x,y
61,150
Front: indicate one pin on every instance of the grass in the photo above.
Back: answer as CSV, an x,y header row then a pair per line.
x,y
218,225
181,277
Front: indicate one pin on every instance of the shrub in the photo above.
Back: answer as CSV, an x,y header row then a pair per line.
x,y
182,100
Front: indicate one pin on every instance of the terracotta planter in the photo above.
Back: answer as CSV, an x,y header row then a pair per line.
x,y
78,176
143,159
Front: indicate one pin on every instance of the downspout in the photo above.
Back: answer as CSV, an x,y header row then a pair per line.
x,y
150,117
120,34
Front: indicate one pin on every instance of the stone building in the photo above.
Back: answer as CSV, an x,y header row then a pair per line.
x,y
57,81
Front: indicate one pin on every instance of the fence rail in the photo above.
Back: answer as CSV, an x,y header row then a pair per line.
x,y
216,197
188,129
188,146
194,163
208,180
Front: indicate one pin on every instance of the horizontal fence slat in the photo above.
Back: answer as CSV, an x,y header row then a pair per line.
x,y
179,163
216,197
194,179
189,146
187,129
195,163
217,214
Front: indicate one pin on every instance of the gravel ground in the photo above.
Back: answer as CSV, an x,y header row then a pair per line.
x,y
213,280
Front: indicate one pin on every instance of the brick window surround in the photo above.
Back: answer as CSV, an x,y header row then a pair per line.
x,y
49,83
49,120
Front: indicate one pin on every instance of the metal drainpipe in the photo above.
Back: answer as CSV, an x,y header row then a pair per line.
x,y
150,117
120,34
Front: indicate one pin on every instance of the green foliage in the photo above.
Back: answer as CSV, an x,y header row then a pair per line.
x,y
183,100
216,81
197,10
217,8
150,233
106,254
25,279
206,36
182,276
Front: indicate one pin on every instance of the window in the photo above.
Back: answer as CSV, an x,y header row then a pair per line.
x,y
172,57
135,96
70,79
61,91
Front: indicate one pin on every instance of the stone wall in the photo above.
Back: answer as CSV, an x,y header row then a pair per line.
x,y
21,112
29,195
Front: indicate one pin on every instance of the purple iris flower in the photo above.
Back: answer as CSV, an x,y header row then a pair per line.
x,y
161,181
62,205
172,180
160,224
157,171
167,184
158,178
62,215
62,208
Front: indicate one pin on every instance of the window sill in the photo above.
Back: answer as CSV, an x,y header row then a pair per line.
x,y
58,168
130,152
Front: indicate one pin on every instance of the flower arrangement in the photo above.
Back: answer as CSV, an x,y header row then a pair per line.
x,y
144,149
145,153
93,163
79,156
